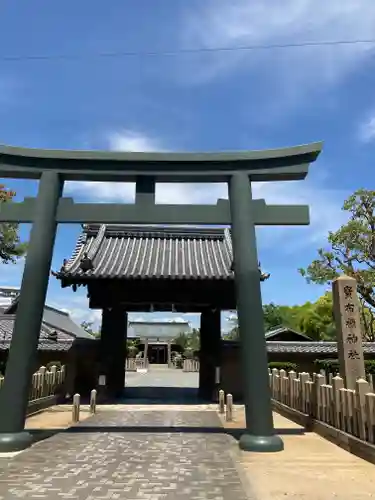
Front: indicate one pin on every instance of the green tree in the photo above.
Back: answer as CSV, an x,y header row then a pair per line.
x,y
351,252
88,327
234,332
182,340
273,316
194,339
189,340
11,247
132,347
316,319
313,318
292,315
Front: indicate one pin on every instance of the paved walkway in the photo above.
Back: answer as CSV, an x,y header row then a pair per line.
x,y
310,467
178,452
170,454
161,384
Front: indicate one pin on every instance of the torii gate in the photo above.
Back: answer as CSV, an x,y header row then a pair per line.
x,y
238,169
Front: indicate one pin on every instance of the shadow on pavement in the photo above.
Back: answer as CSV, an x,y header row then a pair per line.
x,y
41,434
159,395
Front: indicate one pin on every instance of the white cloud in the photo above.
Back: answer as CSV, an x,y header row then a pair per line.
x,y
367,130
130,140
325,205
325,202
219,23
124,140
325,212
76,304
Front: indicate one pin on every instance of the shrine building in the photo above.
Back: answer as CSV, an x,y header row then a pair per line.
x,y
157,339
147,269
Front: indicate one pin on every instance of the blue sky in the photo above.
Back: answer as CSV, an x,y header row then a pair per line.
x,y
197,101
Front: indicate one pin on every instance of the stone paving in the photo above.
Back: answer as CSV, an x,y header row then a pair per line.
x,y
309,468
162,376
130,455
161,384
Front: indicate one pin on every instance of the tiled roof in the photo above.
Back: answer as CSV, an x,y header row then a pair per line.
x,y
54,319
277,331
61,320
312,347
304,347
47,339
152,252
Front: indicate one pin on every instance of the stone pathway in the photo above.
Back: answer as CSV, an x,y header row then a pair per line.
x,y
161,384
171,455
310,467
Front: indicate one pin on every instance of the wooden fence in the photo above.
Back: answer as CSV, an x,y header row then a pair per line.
x,y
325,398
44,387
190,365
134,364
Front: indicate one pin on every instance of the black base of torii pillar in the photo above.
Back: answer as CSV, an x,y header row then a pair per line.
x,y
260,433
14,394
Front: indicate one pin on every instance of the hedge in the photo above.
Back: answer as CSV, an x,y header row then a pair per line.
x,y
332,365
283,365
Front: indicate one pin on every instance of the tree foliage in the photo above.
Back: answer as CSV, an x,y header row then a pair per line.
x,y
273,316
315,319
352,252
11,247
189,340
88,327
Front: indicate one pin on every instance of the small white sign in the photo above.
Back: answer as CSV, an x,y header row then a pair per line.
x,y
217,375
101,380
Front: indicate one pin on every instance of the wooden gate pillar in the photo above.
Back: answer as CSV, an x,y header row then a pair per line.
x,y
113,351
210,352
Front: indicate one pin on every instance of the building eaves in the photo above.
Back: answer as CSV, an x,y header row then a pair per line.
x,y
47,336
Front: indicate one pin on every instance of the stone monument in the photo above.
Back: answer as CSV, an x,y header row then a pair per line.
x,y
348,330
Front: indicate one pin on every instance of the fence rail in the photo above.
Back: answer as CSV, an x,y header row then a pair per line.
x,y
326,399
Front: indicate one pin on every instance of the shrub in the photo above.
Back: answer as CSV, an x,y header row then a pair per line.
x,y
132,351
283,365
333,366
178,361
189,353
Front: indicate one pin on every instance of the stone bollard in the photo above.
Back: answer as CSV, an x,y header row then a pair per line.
x,y
229,412
221,401
76,408
93,401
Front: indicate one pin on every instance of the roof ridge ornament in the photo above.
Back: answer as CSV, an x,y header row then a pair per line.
x,y
86,263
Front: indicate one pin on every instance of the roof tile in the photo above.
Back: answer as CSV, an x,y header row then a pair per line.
x,y
63,343
152,252
312,347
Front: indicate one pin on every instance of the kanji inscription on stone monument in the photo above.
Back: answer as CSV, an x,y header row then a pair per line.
x,y
348,330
